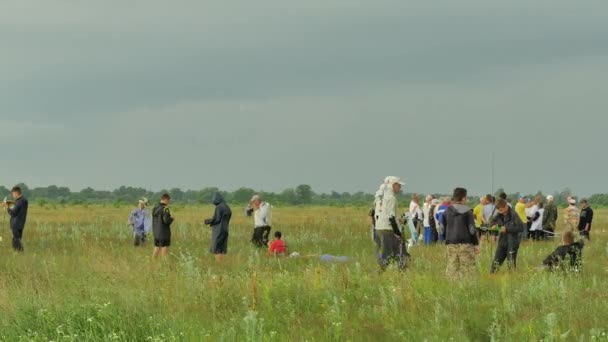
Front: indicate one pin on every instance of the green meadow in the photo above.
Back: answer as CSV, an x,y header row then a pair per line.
x,y
81,279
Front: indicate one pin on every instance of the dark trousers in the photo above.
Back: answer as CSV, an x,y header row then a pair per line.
x,y
585,234
260,236
434,235
527,232
139,239
505,253
390,248
17,235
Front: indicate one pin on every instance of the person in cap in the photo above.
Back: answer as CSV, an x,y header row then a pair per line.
x,y
18,214
140,220
161,226
461,239
220,227
586,219
572,215
262,220
392,247
550,217
426,213
510,229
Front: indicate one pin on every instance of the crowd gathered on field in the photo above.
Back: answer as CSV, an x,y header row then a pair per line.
x,y
448,221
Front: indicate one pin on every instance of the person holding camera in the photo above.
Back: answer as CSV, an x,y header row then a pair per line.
x,y
18,214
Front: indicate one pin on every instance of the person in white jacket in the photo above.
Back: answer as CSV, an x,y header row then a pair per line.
x,y
262,218
392,247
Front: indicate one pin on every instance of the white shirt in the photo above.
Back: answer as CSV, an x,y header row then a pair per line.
x,y
530,212
263,215
538,224
426,210
415,211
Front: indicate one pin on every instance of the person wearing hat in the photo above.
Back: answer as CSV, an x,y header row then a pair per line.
x,y
586,219
550,217
573,215
387,227
262,219
140,220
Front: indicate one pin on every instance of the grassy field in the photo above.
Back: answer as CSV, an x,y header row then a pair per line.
x,y
80,279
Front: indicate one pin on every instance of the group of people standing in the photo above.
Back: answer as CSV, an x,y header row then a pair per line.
x,y
451,221
160,220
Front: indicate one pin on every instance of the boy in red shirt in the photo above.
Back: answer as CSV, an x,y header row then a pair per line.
x,y
277,247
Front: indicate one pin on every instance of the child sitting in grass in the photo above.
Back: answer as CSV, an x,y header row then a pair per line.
x,y
277,247
566,257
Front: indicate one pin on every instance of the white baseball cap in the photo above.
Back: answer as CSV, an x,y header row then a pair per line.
x,y
255,198
549,198
394,180
571,200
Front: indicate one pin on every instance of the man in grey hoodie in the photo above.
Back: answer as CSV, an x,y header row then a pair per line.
x,y
458,225
219,227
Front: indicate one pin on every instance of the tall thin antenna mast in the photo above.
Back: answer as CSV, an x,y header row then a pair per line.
x,y
493,169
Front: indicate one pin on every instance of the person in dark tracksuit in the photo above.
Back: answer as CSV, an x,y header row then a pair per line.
x,y
18,214
586,220
161,226
220,224
511,228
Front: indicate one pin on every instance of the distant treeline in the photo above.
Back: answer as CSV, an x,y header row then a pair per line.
x,y
300,195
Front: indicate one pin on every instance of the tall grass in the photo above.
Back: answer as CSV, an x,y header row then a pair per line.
x,y
80,279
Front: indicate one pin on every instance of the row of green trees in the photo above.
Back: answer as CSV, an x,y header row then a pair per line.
x,y
300,195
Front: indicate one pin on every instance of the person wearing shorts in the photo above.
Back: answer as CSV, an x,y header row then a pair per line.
x,y
161,226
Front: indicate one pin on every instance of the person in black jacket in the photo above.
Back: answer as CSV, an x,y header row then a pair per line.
x,y
161,226
568,257
511,227
458,223
18,214
220,224
584,224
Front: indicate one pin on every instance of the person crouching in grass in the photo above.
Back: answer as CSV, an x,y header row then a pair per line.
x,y
161,226
461,238
568,257
511,228
277,247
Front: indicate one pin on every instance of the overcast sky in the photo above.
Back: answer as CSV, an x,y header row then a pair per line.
x,y
337,94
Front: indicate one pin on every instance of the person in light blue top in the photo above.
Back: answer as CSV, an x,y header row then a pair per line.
x,y
140,221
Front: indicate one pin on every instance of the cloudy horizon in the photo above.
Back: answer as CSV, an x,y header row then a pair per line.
x,y
338,95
